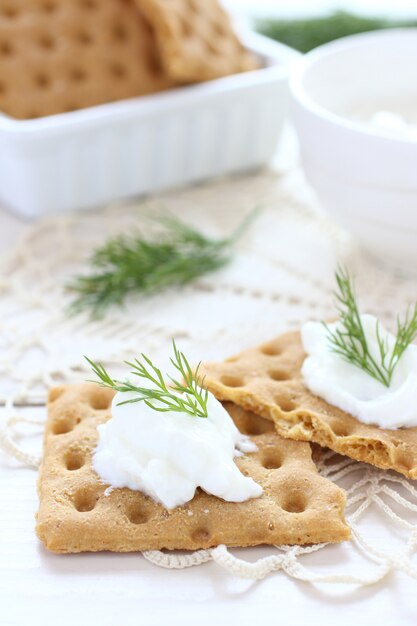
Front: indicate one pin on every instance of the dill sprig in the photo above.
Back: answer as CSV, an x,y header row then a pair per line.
x,y
193,399
307,33
349,339
133,263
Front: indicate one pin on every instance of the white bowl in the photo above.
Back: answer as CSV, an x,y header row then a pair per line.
x,y
85,158
364,175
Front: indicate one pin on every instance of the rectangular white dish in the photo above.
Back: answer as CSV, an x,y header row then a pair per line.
x,y
85,158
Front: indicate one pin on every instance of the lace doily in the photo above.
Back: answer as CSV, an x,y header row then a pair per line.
x,y
281,275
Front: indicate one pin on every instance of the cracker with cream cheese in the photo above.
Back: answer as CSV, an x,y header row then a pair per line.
x,y
267,380
77,512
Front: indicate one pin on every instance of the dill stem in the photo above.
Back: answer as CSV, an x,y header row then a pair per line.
x,y
351,344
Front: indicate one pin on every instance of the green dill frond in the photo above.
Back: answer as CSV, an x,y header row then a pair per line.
x,y
192,398
349,340
126,264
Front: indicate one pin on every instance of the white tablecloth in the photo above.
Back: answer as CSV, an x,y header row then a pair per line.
x,y
282,274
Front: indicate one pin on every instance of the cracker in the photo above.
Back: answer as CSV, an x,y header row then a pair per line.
x,y
196,39
63,55
268,381
75,515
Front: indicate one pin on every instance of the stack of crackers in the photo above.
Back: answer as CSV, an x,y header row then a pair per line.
x,y
263,391
64,55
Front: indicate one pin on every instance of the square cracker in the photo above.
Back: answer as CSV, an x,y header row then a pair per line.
x,y
298,506
196,39
267,380
63,55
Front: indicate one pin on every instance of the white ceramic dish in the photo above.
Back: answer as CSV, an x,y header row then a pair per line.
x,y
89,157
366,176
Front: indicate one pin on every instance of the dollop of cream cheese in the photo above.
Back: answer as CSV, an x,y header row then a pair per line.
x,y
353,390
394,123
168,455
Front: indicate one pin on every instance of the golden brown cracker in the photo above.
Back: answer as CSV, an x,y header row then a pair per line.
x,y
196,39
298,506
63,55
267,380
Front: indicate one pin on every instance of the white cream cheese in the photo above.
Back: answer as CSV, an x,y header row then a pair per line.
x,y
394,123
354,391
168,455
